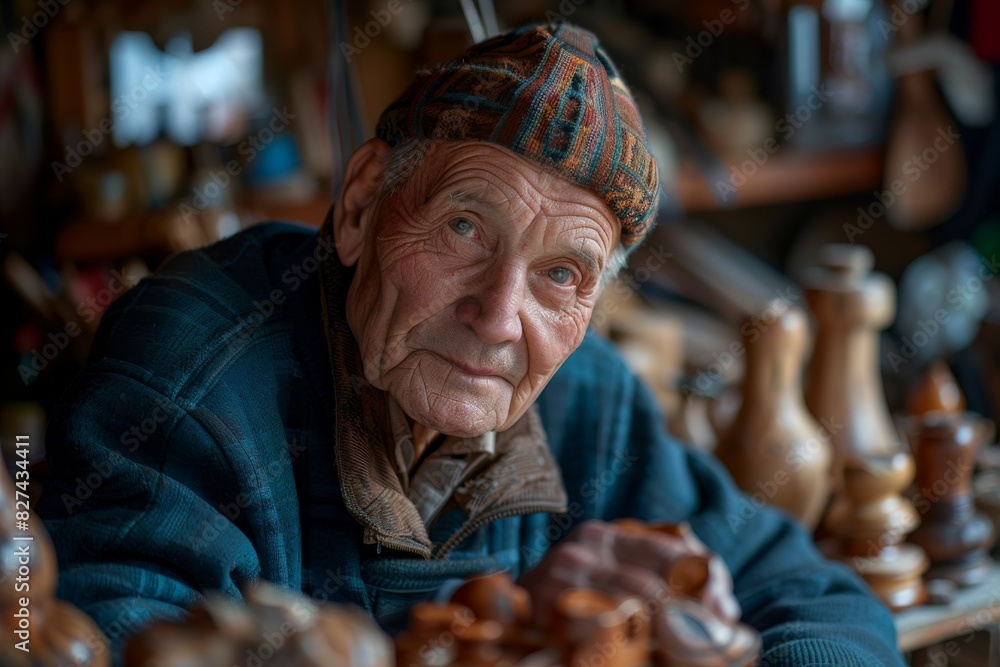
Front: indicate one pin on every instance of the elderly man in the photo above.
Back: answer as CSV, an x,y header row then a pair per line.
x,y
411,397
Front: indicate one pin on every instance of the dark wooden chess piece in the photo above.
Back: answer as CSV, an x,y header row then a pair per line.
x,y
955,536
868,520
57,633
775,449
937,391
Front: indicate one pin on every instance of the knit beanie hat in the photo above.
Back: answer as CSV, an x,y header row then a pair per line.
x,y
550,94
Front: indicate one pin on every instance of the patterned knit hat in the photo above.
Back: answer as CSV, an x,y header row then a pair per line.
x,y
550,94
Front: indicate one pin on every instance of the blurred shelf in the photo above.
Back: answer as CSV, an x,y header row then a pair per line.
x,y
168,231
784,178
311,212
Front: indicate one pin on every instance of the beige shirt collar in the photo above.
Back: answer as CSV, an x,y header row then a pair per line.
x,y
442,471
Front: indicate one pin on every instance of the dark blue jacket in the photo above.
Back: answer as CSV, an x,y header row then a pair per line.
x,y
190,456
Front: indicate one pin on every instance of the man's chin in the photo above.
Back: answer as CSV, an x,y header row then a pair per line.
x,y
453,417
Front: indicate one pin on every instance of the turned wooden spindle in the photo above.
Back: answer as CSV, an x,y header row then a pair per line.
x,y
60,634
870,524
774,449
868,519
955,536
851,305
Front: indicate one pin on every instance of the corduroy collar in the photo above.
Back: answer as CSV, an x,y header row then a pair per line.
x,y
522,478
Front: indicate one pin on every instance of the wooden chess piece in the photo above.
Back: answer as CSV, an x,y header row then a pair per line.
x,y
868,519
275,626
869,525
593,628
57,633
495,597
689,635
937,391
429,639
774,448
955,536
851,305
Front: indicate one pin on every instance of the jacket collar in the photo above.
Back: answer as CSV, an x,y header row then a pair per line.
x,y
522,478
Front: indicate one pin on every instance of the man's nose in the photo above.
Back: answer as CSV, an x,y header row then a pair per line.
x,y
493,309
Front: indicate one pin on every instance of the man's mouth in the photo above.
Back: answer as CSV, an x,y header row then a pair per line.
x,y
469,369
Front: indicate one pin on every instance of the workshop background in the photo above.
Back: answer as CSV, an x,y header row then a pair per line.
x,y
130,131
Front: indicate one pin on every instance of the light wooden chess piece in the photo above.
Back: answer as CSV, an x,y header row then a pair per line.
x,y
868,519
488,623
57,633
275,627
774,448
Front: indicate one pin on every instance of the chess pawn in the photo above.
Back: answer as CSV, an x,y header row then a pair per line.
x,y
870,524
775,448
955,536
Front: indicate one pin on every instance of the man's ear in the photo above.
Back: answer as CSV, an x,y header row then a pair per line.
x,y
352,214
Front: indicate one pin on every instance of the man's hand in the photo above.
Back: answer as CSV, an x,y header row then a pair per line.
x,y
619,561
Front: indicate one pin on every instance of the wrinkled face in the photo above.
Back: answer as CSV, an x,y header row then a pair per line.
x,y
475,281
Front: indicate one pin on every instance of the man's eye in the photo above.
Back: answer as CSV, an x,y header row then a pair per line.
x,y
561,275
463,226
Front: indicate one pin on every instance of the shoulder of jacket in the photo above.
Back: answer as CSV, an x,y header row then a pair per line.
x,y
192,313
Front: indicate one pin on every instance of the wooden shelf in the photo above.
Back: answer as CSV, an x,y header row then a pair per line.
x,y
786,177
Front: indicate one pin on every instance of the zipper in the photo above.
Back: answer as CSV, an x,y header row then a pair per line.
x,y
475,523
380,540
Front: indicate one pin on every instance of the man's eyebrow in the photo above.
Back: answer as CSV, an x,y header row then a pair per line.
x,y
469,198
588,259
466,198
